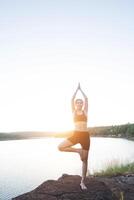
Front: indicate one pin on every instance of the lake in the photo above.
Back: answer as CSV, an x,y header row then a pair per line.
x,y
25,164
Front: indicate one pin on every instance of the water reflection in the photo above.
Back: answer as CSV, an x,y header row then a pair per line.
x,y
27,163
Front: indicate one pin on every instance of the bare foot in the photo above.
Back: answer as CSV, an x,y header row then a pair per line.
x,y
82,185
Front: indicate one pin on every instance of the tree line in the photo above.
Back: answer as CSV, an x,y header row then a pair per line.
x,y
125,130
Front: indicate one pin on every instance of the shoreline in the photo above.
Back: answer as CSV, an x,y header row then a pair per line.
x,y
39,137
118,137
124,131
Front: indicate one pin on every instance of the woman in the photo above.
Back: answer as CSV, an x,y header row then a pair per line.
x,y
80,134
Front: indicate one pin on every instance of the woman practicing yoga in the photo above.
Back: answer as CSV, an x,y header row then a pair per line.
x,y
80,134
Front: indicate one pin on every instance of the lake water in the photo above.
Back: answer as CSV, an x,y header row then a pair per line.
x,y
25,164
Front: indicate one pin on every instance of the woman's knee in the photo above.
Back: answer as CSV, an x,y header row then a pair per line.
x,y
60,147
84,159
85,156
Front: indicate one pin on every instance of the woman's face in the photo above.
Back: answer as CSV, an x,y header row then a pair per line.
x,y
78,104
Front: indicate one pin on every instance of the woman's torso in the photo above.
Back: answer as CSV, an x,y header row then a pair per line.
x,y
80,121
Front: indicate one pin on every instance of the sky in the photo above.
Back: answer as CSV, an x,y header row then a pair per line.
x,y
47,47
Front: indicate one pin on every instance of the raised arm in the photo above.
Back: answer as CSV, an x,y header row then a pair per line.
x,y
73,97
85,99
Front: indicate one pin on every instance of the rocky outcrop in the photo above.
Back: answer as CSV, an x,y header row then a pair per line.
x,y
99,188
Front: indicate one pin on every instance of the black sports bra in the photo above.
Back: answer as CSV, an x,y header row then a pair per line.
x,y
81,117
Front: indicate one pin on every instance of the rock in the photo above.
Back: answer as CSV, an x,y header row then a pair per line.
x,y
122,186
67,187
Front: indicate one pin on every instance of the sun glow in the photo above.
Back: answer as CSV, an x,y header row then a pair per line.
x,y
53,47
40,99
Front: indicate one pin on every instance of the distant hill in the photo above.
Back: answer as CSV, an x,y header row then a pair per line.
x,y
24,135
125,131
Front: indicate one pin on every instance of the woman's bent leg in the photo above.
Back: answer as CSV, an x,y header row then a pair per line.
x,y
66,145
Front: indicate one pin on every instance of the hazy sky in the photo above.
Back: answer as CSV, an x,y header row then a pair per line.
x,y
46,47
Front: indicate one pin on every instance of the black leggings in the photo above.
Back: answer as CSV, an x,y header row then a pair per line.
x,y
81,137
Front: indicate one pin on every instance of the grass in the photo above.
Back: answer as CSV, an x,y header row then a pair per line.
x,y
116,169
121,196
